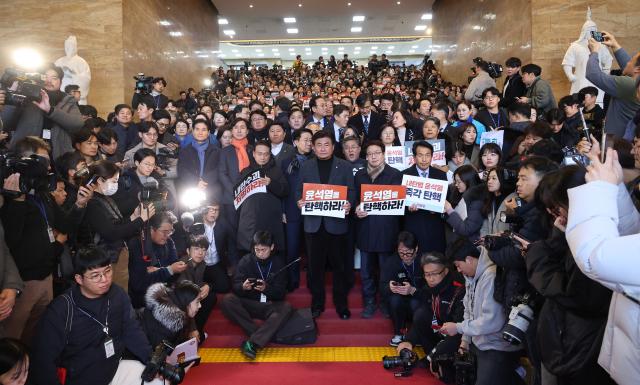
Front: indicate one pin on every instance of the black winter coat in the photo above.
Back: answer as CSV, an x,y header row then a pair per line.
x,y
248,268
573,318
189,170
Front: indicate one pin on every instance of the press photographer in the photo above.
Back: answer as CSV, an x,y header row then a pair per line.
x,y
485,74
30,217
54,117
444,294
147,85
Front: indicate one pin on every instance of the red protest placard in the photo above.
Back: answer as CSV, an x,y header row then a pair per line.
x,y
324,200
382,199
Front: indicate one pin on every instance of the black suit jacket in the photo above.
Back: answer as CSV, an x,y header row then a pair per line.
x,y
228,171
516,89
375,123
327,121
189,170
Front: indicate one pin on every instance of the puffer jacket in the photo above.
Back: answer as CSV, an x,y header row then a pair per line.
x,y
484,317
604,239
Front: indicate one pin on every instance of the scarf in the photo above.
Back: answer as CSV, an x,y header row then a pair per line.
x,y
241,152
296,163
374,172
200,148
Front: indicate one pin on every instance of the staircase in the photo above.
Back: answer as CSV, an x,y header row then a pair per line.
x,y
347,351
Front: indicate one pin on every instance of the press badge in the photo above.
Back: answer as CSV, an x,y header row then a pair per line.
x,y
109,350
263,298
52,237
46,134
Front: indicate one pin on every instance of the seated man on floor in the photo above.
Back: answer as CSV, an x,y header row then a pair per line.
x,y
257,292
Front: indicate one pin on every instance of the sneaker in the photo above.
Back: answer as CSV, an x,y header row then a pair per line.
x,y
249,349
369,310
395,341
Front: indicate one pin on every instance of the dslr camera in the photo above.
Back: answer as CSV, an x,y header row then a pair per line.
x,y
143,83
151,193
520,318
164,155
464,364
403,363
34,172
27,89
158,365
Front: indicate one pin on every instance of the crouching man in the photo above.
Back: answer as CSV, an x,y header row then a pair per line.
x,y
481,329
257,292
83,335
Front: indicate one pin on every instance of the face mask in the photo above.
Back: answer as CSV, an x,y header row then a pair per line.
x,y
110,189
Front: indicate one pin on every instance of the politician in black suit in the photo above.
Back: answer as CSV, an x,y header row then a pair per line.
x,y
198,163
338,126
327,237
427,226
366,121
318,106
513,87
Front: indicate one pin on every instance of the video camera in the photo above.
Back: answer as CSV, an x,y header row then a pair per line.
x,y
495,242
151,193
493,69
158,365
33,169
406,361
464,364
27,87
143,83
520,318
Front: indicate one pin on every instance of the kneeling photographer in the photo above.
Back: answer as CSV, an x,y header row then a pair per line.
x,y
141,184
484,318
444,295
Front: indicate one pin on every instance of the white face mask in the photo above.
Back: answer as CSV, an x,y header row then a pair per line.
x,y
110,188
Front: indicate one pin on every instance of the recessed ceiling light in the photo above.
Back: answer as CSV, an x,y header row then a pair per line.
x,y
260,54
223,21
391,47
325,49
348,4
358,18
222,55
276,54
292,30
186,56
372,52
203,56
427,16
164,22
229,32
292,53
234,50
414,46
250,5
340,48
238,55
356,29
420,27
291,49
289,20
258,50
374,48
429,30
307,48
179,52
274,49
300,5
216,51
397,2
357,48
412,51
175,33
477,27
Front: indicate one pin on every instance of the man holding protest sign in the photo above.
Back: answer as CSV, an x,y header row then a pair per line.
x,y
427,226
379,194
325,230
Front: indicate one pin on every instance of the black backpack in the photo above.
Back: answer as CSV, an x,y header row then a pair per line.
x,y
300,329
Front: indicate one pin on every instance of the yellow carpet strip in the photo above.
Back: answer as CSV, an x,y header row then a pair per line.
x,y
309,354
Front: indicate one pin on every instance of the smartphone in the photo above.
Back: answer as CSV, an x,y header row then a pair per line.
x,y
92,180
597,36
394,283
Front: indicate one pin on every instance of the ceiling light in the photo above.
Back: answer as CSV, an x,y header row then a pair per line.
x,y
388,52
356,29
292,30
477,27
229,32
164,22
340,48
372,52
179,52
325,49
412,51
307,49
348,4
391,47
427,16
274,49
374,48
300,5
420,27
175,33
223,21
414,46
186,56
291,49
250,5
258,50
238,55
276,54
216,51
289,20
357,48
292,53
429,30
261,55
397,2
358,18
222,55
203,56
234,50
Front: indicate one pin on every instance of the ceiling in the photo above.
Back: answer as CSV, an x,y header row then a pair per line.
x,y
321,19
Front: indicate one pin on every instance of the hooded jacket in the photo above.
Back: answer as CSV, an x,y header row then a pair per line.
x,y
162,319
484,318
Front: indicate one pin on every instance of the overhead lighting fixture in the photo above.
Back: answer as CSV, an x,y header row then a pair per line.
x,y
274,49
348,4
427,16
175,33
292,53
223,21
229,32
289,20
250,5
358,18
357,48
222,55
261,55
276,54
291,49
216,51
186,56
164,23
325,49
391,47
412,51
300,5
234,50
356,29
179,52
203,56
420,27
414,46
374,48
372,52
292,30
429,31
258,49
477,27
340,48
307,48
397,2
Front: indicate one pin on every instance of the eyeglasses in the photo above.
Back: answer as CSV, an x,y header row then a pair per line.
x,y
152,165
97,277
162,125
490,97
377,153
152,135
433,275
406,253
166,232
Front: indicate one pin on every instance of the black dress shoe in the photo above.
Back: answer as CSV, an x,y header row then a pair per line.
x,y
315,313
344,314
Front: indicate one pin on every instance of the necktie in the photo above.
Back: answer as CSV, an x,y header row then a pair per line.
x,y
366,124
340,132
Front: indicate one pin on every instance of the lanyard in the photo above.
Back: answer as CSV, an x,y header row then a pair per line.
x,y
260,270
105,325
496,125
40,207
435,306
413,269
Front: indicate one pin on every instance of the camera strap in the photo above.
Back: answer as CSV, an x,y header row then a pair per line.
x,y
109,347
43,211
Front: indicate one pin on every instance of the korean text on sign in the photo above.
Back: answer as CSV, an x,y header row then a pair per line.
x,y
382,199
425,193
247,187
324,200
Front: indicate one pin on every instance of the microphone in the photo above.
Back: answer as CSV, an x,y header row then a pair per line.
x,y
187,219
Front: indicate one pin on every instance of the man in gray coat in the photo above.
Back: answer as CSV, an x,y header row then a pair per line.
x,y
54,118
10,282
481,82
539,94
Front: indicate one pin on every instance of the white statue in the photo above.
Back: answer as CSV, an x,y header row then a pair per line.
x,y
76,69
575,60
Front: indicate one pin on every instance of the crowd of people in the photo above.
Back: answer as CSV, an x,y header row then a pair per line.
x,y
120,233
